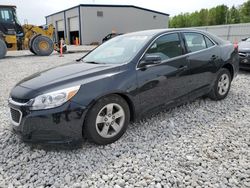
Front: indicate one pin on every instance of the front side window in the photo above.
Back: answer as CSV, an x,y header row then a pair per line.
x,y
195,42
167,47
6,15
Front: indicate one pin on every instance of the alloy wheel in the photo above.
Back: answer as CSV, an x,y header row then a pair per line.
x,y
223,84
110,120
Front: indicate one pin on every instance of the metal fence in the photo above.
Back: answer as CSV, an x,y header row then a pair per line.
x,y
233,32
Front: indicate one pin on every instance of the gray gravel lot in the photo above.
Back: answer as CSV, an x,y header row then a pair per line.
x,y
201,144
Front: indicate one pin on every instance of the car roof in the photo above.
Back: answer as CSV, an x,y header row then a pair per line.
x,y
157,32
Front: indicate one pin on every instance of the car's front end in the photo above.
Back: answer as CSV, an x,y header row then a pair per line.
x,y
50,106
244,58
47,118
244,54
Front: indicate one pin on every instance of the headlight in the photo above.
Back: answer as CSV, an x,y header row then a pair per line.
x,y
54,99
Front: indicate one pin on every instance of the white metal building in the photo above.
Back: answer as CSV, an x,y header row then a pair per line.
x,y
91,23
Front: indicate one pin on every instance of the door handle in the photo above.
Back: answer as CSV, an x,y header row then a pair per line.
x,y
182,67
214,57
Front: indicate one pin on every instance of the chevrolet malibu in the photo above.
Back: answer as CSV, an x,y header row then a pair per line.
x,y
126,78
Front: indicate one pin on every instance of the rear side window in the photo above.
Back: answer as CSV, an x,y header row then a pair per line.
x,y
167,47
208,42
195,42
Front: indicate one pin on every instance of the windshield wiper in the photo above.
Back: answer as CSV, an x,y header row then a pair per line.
x,y
91,62
80,59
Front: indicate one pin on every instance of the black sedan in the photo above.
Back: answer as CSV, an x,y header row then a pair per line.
x,y
126,78
244,53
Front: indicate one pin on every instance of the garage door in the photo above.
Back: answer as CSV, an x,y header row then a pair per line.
x,y
74,24
60,25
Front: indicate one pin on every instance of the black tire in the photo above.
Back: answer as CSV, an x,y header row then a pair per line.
x,y
214,93
3,49
42,46
31,44
90,129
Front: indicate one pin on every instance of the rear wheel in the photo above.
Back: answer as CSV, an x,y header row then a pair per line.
x,y
42,45
222,85
3,49
107,120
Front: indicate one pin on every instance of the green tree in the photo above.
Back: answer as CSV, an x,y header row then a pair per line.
x,y
194,19
234,15
221,14
203,16
179,21
215,16
245,12
212,16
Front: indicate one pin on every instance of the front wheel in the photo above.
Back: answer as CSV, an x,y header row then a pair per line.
x,y
42,46
222,85
107,120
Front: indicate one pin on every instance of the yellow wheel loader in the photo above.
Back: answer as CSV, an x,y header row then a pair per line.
x,y
13,36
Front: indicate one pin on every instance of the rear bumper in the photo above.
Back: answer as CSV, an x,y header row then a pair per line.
x,y
59,125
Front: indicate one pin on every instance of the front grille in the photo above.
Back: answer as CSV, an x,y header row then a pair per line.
x,y
20,100
16,116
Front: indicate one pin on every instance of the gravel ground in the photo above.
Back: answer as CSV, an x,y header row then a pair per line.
x,y
201,144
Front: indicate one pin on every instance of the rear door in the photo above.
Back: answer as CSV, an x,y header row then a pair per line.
x,y
203,55
161,84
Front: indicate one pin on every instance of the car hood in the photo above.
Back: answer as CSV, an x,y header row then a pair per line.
x,y
244,46
69,73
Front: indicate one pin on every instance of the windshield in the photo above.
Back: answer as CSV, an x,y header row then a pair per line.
x,y
118,50
248,40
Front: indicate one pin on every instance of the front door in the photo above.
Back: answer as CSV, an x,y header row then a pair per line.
x,y
161,84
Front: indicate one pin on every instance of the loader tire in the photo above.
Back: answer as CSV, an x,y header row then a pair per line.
x,y
3,49
31,44
42,46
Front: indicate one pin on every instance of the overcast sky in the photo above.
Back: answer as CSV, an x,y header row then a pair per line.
x,y
35,11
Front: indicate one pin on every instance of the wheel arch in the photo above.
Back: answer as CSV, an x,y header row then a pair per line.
x,y
130,104
230,68
122,95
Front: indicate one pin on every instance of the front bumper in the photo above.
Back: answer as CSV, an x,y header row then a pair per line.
x,y
58,125
244,62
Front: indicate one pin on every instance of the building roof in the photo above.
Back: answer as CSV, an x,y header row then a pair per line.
x,y
8,6
119,6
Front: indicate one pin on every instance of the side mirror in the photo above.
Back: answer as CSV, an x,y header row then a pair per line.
x,y
150,60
